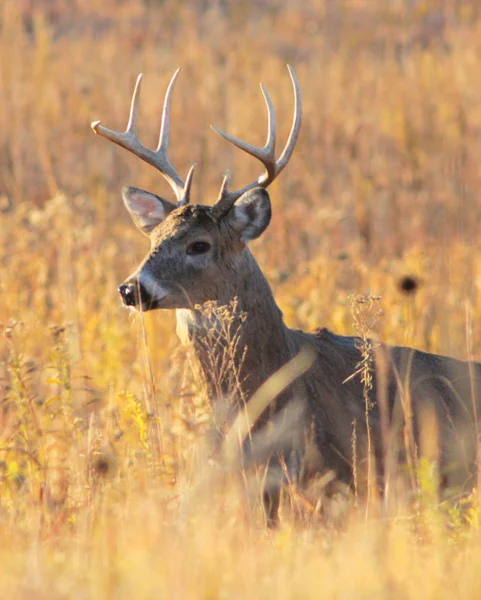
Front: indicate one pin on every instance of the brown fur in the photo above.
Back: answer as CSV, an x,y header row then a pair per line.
x,y
199,255
331,402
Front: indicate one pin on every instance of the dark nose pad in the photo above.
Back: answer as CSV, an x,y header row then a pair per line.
x,y
128,293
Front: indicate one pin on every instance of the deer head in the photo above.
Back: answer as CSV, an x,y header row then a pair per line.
x,y
196,250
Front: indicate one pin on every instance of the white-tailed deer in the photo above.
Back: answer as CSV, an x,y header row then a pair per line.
x,y
199,254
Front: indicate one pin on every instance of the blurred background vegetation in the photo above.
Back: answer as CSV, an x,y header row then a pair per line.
x,y
99,417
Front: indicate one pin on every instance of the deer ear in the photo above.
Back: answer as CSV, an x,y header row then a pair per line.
x,y
147,210
251,214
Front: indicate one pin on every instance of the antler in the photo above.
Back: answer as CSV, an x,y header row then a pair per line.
x,y
265,154
158,158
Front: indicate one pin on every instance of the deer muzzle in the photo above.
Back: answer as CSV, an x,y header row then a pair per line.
x,y
133,294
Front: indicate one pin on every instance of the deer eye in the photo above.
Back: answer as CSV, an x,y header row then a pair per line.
x,y
198,248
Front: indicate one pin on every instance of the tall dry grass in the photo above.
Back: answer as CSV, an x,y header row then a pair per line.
x,y
104,492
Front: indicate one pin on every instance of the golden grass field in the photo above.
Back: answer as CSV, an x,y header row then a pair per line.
x,y
104,492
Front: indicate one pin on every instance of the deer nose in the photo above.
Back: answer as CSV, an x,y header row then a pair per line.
x,y
127,292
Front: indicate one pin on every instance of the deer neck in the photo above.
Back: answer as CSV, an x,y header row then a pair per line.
x,y
254,325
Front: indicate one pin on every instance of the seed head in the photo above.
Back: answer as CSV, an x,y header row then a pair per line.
x,y
409,284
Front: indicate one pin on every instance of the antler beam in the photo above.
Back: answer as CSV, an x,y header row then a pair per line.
x,y
158,158
265,154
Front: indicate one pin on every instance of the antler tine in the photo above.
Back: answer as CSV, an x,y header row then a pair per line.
x,y
158,158
165,124
134,107
188,184
296,123
265,154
